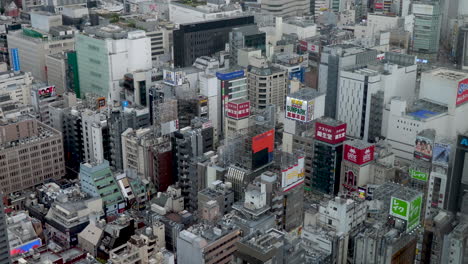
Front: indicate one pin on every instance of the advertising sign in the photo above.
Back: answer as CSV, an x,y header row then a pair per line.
x,y
26,247
207,124
293,176
169,127
423,9
350,180
262,148
306,46
330,134
422,176
359,156
379,5
230,75
46,92
414,213
462,93
462,141
173,78
399,208
423,148
381,56
441,154
238,110
15,60
101,102
300,110
362,193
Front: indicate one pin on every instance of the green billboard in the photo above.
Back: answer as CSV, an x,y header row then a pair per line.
x,y
422,176
399,208
414,213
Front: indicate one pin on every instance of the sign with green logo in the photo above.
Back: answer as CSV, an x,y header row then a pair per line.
x,y
399,208
422,176
415,213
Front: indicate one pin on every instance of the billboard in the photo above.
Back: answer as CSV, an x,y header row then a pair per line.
x,y
441,154
46,92
262,148
379,6
15,60
359,156
362,193
173,78
26,247
306,46
238,110
350,180
423,9
300,110
418,175
293,176
230,75
399,208
101,102
423,148
414,213
330,134
462,92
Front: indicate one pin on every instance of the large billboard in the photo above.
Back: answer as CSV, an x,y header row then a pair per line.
x,y
46,92
262,148
462,92
418,175
238,110
409,211
101,102
230,75
15,60
414,213
300,110
399,208
359,156
26,247
423,148
330,134
173,78
441,154
307,46
293,176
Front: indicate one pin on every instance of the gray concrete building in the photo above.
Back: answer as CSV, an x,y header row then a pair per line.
x,y
4,245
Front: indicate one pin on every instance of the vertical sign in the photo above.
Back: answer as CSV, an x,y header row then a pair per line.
x,y
15,59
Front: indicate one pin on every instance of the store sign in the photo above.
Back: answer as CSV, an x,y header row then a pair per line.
x,y
229,75
464,142
15,59
173,78
422,176
441,154
462,93
238,110
330,134
414,213
293,176
423,148
306,46
359,156
101,102
46,92
300,110
399,208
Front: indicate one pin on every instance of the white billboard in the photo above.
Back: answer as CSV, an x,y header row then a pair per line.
x,y
422,9
173,78
169,127
301,110
293,176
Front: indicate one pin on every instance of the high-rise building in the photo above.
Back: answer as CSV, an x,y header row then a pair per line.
x,y
4,244
245,37
458,180
17,86
335,58
427,22
106,54
203,39
267,84
31,153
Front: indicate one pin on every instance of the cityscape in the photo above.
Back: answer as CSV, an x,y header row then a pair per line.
x,y
233,131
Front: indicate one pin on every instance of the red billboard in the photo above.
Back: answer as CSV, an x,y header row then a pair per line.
x,y
462,93
359,156
238,110
46,92
306,46
379,6
263,141
330,134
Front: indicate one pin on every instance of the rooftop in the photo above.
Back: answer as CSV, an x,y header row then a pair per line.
x,y
306,94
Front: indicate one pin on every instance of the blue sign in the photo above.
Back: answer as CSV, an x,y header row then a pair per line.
x,y
297,74
124,104
464,142
15,59
229,75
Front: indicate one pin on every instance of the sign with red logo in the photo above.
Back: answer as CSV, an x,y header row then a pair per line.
x,y
359,156
462,93
379,5
238,110
330,134
306,46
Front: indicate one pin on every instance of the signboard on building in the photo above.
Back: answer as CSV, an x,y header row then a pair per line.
x,y
379,6
423,148
293,176
441,154
238,110
169,127
46,92
418,175
414,213
262,148
230,75
307,46
399,208
381,56
350,180
207,124
172,77
423,9
300,110
330,134
25,248
15,60
462,93
359,156
101,102
463,141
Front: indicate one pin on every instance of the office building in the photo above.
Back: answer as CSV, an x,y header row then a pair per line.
x,y
204,38
267,85
427,22
182,13
101,65
220,192
285,7
97,180
245,37
17,86
333,59
32,153
57,67
95,136
34,46
457,244
458,180
4,245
